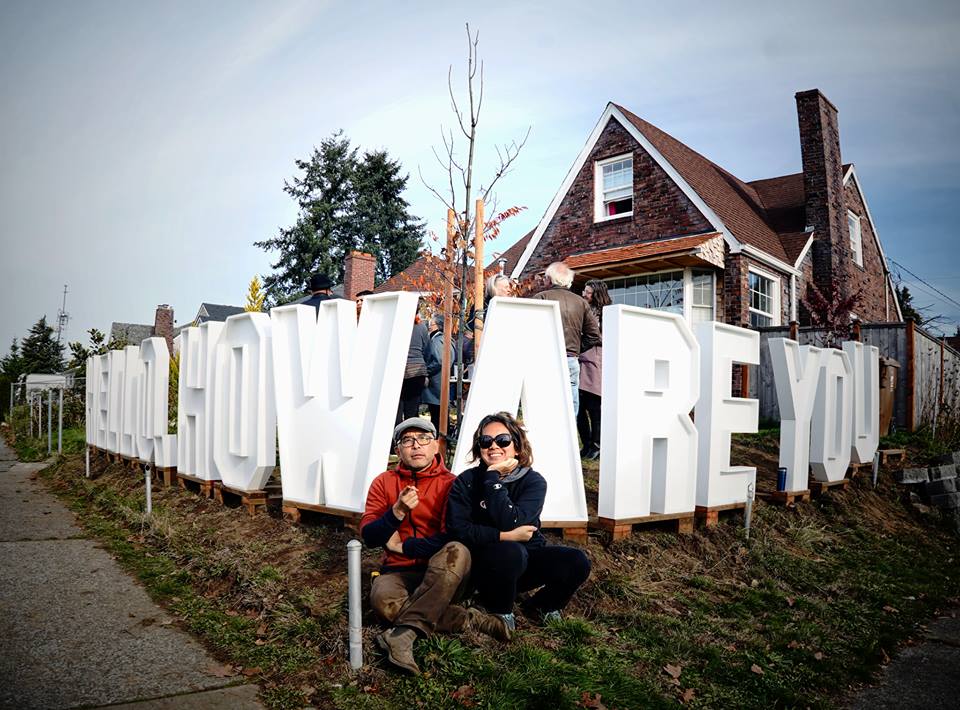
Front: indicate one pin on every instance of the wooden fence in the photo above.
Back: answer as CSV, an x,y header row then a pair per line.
x,y
928,378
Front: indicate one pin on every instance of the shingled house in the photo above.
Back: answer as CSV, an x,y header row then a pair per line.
x,y
667,228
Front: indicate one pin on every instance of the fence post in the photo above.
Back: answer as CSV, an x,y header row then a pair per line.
x,y
910,375
794,331
60,424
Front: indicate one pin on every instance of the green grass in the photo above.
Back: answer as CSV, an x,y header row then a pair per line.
x,y
812,603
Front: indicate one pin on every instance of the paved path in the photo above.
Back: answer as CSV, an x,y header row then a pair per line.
x,y
76,629
921,677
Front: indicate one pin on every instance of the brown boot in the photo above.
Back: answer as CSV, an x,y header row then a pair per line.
x,y
398,644
489,624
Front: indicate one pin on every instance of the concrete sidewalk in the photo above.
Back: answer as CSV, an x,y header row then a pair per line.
x,y
77,630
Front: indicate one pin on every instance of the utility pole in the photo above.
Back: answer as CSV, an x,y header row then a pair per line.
x,y
62,316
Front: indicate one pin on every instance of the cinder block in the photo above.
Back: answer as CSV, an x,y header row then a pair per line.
x,y
911,475
938,473
945,485
951,458
946,500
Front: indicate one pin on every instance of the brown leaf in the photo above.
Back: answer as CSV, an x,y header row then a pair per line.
x,y
262,630
756,669
818,655
221,671
591,701
688,695
791,601
231,612
673,671
886,658
793,644
259,642
731,647
890,610
464,696
256,670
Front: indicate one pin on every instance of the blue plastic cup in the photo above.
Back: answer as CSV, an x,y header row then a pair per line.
x,y
782,478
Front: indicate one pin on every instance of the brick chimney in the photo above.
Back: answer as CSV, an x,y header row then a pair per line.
x,y
163,325
359,271
823,188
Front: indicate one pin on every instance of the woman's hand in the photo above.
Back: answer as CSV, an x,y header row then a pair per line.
x,y
503,467
520,534
394,544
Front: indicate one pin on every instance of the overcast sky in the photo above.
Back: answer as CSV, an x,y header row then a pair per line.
x,y
144,146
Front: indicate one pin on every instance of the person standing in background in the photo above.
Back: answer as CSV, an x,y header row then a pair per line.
x,y
415,372
588,419
431,395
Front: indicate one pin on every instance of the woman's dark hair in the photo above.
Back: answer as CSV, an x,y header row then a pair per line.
x,y
599,299
520,443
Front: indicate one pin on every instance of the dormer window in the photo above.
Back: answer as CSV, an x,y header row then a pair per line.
x,y
856,238
614,188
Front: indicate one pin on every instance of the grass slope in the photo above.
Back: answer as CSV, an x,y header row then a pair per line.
x,y
815,601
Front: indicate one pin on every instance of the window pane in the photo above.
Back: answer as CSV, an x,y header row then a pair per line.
x,y
759,321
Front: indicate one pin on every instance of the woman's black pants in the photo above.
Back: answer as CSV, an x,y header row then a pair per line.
x,y
503,569
588,418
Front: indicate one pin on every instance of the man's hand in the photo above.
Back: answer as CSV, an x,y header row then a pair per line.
x,y
520,534
408,500
394,544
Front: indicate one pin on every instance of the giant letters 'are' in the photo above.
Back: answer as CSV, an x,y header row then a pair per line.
x,y
865,360
154,394
337,386
648,444
132,368
115,394
831,430
91,408
195,406
796,371
103,400
522,360
719,414
245,419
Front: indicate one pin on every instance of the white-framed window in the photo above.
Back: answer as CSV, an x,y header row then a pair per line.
x,y
764,293
689,292
613,181
856,238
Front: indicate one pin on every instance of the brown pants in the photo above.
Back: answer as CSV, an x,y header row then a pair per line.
x,y
423,599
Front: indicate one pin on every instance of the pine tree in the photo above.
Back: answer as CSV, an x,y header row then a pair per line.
x,y
345,202
907,308
11,366
255,296
40,351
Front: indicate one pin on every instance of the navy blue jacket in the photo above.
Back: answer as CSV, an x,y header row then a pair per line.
x,y
479,507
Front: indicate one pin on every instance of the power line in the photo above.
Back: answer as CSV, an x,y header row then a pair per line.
x,y
920,280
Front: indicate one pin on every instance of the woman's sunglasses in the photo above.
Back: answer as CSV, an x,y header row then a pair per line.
x,y
501,440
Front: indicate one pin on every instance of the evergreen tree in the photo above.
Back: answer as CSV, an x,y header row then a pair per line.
x,y
11,366
40,351
345,202
80,352
907,307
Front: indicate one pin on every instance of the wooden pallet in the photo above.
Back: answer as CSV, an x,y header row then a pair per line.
x,y
293,510
887,454
620,529
572,531
711,515
198,485
857,468
167,476
785,498
818,488
252,501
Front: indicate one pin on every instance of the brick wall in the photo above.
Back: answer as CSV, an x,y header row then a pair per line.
x,y
660,209
870,277
163,325
359,272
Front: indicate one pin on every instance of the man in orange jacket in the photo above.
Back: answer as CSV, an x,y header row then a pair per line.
x,y
423,572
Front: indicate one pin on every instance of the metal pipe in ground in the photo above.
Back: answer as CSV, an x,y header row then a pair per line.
x,y
356,628
49,422
876,467
149,481
60,424
87,449
748,509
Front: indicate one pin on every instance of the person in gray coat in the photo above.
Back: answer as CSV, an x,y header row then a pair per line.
x,y
431,395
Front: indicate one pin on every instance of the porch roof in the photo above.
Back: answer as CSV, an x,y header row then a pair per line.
x,y
703,250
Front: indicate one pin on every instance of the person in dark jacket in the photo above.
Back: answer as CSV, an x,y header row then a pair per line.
x,y
423,571
415,372
588,419
494,509
431,395
319,285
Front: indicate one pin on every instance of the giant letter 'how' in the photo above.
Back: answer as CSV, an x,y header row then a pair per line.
x,y
796,371
115,396
132,369
102,402
523,361
651,382
245,416
337,386
92,408
832,426
719,414
154,396
865,360
195,406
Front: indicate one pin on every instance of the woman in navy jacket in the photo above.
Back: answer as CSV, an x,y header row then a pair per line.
x,y
494,509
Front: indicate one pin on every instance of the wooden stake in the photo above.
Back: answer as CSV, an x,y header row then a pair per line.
x,y
478,281
449,266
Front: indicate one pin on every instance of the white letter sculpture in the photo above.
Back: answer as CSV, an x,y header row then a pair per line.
x,y
337,387
865,360
796,371
92,404
115,395
153,441
523,361
719,414
651,382
131,400
103,400
831,432
195,406
245,416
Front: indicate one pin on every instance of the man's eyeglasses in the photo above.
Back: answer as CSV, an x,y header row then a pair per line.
x,y
501,440
422,439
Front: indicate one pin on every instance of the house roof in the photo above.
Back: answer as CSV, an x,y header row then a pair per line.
x,y
133,333
511,256
216,311
634,252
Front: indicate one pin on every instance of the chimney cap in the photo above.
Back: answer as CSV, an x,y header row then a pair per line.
x,y
816,93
